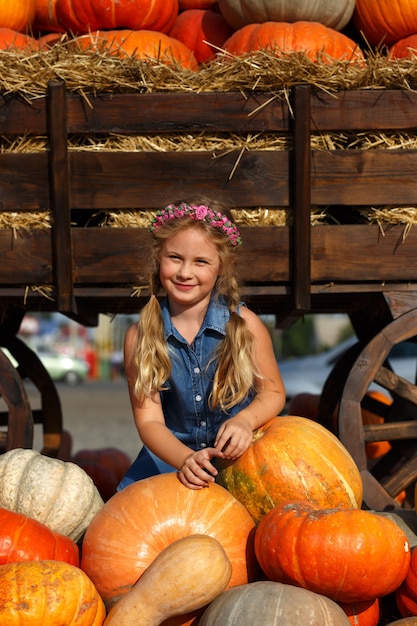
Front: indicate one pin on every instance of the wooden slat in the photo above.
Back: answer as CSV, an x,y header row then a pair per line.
x,y
377,109
177,112
124,180
234,112
149,180
364,177
19,116
24,182
116,255
60,197
301,201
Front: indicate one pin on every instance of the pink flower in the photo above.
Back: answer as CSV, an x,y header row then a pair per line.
x,y
200,212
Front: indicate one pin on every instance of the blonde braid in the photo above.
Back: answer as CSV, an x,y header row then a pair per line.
x,y
236,372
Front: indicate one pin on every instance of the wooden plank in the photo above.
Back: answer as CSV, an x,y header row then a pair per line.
x,y
364,177
378,109
363,254
120,180
26,257
177,112
301,200
24,182
116,255
19,116
231,111
124,180
60,197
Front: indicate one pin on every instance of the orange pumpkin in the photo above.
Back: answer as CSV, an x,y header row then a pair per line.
x,y
17,14
141,44
83,16
48,592
11,39
137,523
202,31
385,21
406,594
23,538
348,555
105,466
317,41
405,48
292,458
376,449
45,17
365,613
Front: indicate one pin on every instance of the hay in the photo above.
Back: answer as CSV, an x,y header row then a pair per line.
x,y
90,72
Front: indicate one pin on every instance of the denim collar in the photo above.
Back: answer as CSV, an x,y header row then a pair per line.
x,y
216,317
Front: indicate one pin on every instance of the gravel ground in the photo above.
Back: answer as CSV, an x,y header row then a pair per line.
x,y
97,414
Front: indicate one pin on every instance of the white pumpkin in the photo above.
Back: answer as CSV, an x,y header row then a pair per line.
x,y
332,13
57,493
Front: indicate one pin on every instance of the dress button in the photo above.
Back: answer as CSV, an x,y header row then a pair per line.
x,y
203,423
196,370
198,398
203,445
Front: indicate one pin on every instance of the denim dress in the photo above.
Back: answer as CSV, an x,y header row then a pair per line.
x,y
185,402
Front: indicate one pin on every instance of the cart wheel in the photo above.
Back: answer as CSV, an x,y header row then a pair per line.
x,y
399,472
334,385
50,413
18,419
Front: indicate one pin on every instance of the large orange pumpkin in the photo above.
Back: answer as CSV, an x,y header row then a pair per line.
x,y
141,44
385,21
17,14
318,42
348,555
293,458
23,538
43,593
83,16
137,523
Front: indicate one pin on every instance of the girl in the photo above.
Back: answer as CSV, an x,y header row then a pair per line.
x,y
201,370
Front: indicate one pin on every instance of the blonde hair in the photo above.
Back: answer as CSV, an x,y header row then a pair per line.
x,y
236,373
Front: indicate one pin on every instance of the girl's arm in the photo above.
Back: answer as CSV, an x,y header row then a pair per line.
x,y
195,468
235,435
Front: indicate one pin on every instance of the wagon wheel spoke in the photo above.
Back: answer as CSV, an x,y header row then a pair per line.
x,y
385,479
50,414
18,419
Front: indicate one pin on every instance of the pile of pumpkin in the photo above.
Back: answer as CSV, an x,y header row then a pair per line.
x,y
190,32
279,539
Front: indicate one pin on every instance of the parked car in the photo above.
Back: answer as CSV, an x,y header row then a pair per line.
x,y
308,374
61,367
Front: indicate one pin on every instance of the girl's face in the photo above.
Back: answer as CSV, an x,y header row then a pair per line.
x,y
189,267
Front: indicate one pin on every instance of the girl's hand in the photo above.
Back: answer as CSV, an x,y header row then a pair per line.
x,y
198,471
234,437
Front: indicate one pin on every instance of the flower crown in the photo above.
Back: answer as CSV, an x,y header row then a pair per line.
x,y
200,212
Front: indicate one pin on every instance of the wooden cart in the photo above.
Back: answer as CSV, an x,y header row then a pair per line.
x,y
354,268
